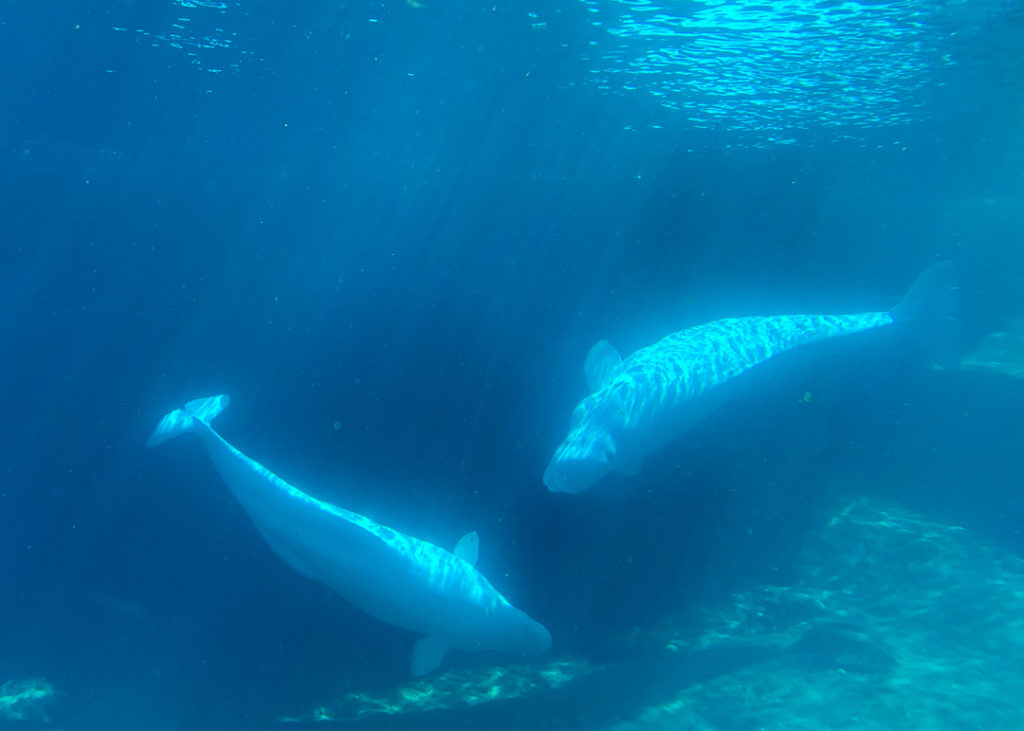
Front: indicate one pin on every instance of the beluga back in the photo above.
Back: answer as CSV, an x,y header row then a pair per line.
x,y
397,578
641,403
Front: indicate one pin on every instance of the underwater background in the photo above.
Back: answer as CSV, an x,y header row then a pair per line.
x,y
391,231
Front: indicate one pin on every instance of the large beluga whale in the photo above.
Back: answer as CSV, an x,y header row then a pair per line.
x,y
641,403
396,578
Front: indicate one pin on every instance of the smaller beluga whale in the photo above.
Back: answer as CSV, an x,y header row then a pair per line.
x,y
640,403
394,577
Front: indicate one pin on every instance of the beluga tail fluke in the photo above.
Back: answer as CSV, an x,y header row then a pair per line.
x,y
641,403
396,578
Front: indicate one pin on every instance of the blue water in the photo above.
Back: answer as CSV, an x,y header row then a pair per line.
x,y
391,231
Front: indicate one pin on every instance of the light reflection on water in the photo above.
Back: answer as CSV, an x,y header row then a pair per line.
x,y
778,68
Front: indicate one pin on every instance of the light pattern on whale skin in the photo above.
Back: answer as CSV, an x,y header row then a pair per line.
x,y
441,570
394,577
687,364
643,402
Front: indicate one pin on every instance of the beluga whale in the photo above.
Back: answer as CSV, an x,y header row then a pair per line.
x,y
394,577
641,403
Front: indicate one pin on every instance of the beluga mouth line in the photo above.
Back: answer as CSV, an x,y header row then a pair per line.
x,y
394,577
641,403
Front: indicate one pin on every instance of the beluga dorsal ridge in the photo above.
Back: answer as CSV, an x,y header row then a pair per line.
x,y
396,578
641,403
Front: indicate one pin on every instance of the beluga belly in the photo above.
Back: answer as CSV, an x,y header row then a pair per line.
x,y
641,403
397,578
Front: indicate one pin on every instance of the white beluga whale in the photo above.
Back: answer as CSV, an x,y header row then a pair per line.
x,y
641,403
396,578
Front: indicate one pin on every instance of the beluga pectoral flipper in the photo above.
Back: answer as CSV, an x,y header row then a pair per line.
x,y
397,578
641,403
